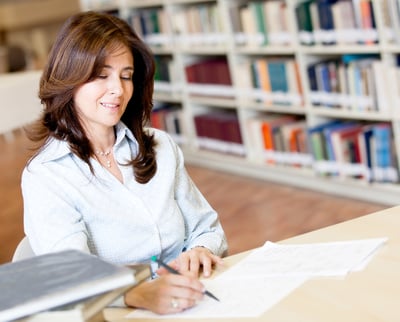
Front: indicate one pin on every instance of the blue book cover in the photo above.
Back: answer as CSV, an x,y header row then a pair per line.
x,y
347,58
323,77
325,17
312,77
277,76
382,136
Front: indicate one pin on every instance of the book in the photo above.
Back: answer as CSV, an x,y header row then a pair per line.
x,y
393,12
345,144
278,76
219,131
367,19
91,309
344,22
199,72
269,124
328,131
326,21
304,22
48,281
249,26
317,140
262,75
257,12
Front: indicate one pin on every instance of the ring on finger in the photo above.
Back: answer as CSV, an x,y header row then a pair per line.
x,y
174,303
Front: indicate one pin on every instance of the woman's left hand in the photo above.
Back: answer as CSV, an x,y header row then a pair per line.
x,y
193,261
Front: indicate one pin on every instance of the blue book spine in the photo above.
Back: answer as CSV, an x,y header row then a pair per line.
x,y
382,136
277,76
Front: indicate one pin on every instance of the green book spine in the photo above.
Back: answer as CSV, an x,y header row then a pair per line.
x,y
258,13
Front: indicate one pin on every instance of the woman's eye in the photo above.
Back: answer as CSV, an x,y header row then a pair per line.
x,y
102,76
126,77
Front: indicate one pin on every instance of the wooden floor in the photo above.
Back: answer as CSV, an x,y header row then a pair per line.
x,y
251,211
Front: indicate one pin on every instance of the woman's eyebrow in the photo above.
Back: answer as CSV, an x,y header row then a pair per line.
x,y
130,68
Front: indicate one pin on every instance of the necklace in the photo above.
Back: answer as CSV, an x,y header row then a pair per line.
x,y
105,154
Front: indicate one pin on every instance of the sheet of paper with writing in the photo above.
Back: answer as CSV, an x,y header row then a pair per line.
x,y
271,272
316,259
243,297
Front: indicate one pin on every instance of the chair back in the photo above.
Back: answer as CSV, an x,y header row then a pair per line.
x,y
23,250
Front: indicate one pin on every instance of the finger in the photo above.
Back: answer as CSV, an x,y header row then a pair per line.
x,y
194,264
180,304
207,265
162,270
184,286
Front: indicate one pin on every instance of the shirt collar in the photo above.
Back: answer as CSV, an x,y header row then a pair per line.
x,y
57,149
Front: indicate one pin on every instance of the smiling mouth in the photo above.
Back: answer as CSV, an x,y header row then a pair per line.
x,y
109,105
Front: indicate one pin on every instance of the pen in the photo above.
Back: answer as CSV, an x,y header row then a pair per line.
x,y
174,271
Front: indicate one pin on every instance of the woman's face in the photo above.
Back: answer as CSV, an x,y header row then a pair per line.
x,y
101,102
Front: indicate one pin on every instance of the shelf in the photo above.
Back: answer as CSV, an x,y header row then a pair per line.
x,y
387,194
273,74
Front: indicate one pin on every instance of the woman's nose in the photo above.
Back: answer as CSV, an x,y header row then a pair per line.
x,y
116,87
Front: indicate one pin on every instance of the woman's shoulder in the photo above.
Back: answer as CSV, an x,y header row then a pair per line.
x,y
163,140
52,150
158,134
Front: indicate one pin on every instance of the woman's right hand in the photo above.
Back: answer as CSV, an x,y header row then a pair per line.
x,y
169,293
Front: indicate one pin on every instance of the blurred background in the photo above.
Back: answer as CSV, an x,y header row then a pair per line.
x,y
252,210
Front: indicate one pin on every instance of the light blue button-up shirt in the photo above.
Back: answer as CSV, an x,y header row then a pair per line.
x,y
65,206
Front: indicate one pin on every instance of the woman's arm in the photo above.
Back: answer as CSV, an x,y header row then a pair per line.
x,y
50,219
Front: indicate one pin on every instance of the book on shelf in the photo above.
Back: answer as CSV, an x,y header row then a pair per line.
x,y
368,24
235,21
355,149
219,131
279,139
151,25
261,79
251,37
257,12
199,72
391,10
304,22
278,76
197,25
326,21
345,144
317,139
169,117
276,15
53,280
202,82
344,22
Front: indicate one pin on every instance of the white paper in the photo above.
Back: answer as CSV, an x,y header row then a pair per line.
x,y
318,259
270,273
249,297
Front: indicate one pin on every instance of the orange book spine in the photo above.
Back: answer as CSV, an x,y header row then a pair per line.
x,y
267,136
366,17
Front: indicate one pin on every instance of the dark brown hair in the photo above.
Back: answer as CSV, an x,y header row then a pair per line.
x,y
77,57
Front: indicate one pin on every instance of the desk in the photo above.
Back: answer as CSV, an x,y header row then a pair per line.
x,y
372,294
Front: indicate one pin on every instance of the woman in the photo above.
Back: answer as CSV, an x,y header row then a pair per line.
x,y
103,183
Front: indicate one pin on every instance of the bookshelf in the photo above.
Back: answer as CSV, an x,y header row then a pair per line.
x,y
307,63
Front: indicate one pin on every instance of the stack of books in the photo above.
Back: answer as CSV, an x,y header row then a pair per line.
x,y
63,286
